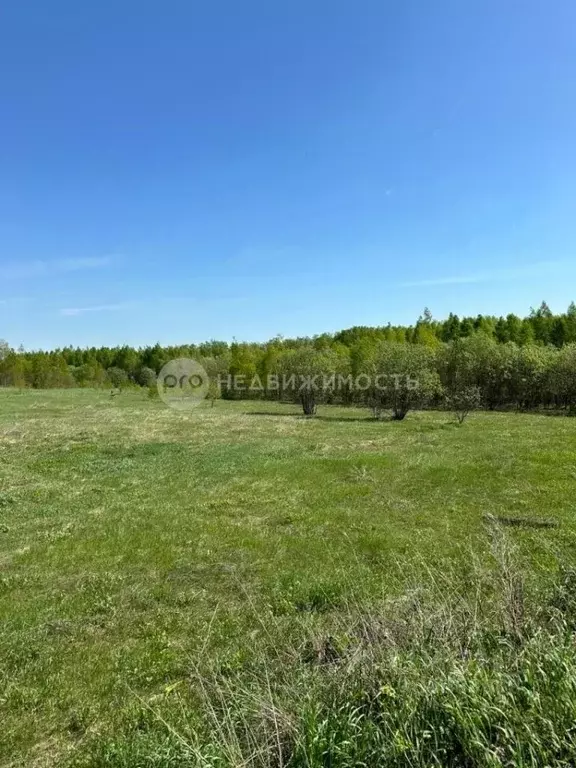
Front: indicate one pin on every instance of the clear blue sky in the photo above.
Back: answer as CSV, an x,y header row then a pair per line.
x,y
183,171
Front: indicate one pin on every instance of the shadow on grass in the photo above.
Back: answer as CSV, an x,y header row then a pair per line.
x,y
351,418
526,522
315,418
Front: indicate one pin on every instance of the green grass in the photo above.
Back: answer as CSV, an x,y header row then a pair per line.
x,y
145,554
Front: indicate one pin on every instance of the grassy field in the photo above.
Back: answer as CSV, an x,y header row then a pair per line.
x,y
145,553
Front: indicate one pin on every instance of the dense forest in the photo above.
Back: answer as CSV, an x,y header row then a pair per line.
x,y
485,361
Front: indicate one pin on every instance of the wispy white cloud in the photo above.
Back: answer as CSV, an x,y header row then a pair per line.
x,y
39,268
251,255
74,311
73,265
16,300
496,275
24,270
450,280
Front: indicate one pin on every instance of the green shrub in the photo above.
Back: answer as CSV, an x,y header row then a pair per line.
x,y
462,401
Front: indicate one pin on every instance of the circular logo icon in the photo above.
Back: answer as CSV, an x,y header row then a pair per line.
x,y
182,384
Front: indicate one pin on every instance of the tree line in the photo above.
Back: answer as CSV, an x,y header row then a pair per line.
x,y
490,362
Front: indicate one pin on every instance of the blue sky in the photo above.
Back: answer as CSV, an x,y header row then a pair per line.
x,y
185,171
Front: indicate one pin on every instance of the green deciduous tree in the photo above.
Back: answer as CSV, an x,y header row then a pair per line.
x,y
309,376
402,377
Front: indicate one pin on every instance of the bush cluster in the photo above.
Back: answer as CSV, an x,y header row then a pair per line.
x,y
461,364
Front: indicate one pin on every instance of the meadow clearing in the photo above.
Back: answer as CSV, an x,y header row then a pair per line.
x,y
209,588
